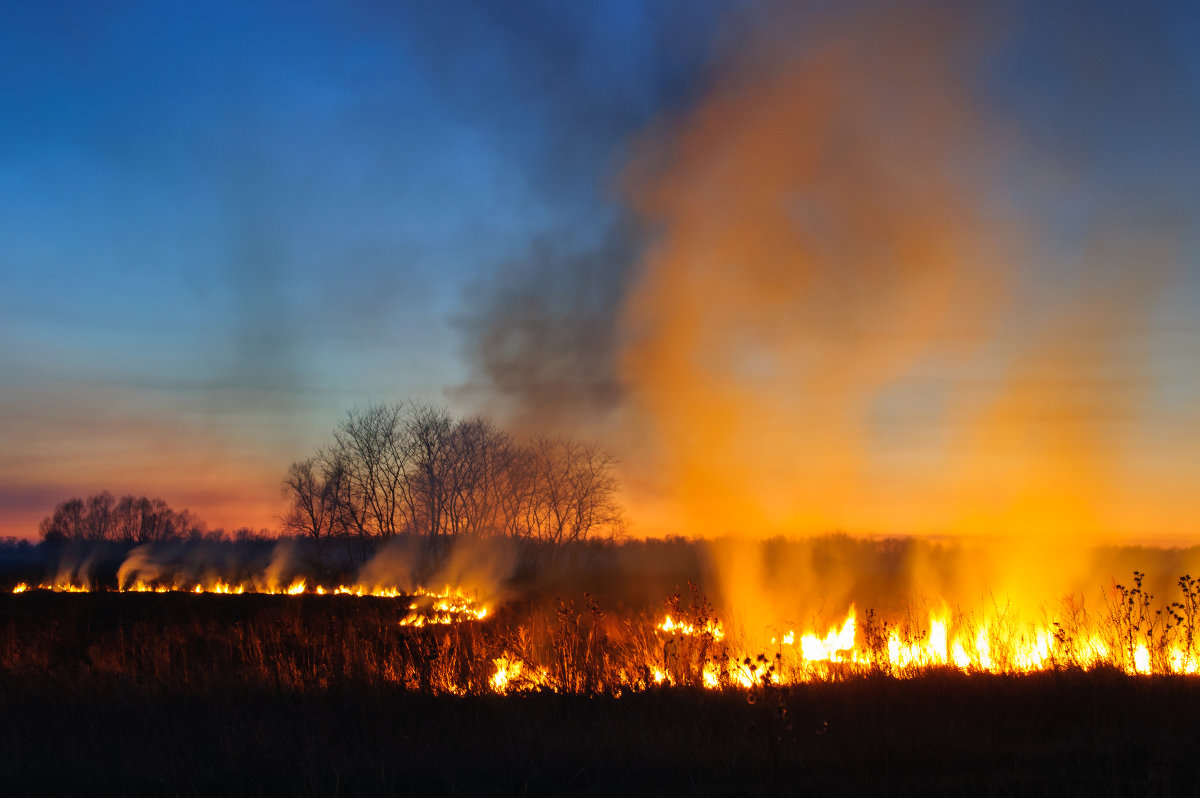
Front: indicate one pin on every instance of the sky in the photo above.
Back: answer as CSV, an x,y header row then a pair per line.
x,y
888,267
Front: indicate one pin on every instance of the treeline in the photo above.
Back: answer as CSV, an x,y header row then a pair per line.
x,y
398,469
132,520
410,469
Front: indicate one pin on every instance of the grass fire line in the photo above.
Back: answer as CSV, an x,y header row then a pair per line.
x,y
585,650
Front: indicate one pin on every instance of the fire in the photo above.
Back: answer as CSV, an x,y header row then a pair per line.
x,y
449,606
711,628
507,670
64,587
698,646
835,647
1141,659
998,645
145,587
513,674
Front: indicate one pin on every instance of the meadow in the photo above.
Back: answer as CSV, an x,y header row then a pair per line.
x,y
185,693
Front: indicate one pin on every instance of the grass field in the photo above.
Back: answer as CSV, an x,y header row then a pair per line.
x,y
180,694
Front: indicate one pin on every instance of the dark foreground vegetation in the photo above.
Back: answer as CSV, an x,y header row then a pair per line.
x,y
178,694
1070,733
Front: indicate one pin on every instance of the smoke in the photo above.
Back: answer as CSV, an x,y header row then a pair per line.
x,y
140,564
759,590
540,325
185,564
764,587
863,308
77,564
542,338
481,566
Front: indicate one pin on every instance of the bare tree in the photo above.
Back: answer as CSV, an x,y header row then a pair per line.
x,y
399,468
429,429
374,458
98,515
127,520
517,491
313,511
65,524
130,520
564,492
591,490
477,457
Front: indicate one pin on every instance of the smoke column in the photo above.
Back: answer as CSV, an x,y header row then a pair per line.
x,y
854,315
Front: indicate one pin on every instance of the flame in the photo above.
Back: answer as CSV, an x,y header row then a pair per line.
x,y
946,642
697,647
140,586
711,628
513,674
66,587
507,670
451,605
837,646
447,606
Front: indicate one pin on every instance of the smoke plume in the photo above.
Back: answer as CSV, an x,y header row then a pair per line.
x,y
858,311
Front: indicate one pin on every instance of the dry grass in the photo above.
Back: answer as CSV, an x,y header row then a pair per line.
x,y
181,694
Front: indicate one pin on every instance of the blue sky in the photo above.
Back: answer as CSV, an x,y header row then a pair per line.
x,y
224,224
243,219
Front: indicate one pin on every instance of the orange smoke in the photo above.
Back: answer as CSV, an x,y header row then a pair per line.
x,y
845,323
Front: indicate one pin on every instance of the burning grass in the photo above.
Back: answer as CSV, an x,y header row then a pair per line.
x,y
449,642
336,688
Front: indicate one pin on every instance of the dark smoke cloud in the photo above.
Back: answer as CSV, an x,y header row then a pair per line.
x,y
542,335
540,326
1082,116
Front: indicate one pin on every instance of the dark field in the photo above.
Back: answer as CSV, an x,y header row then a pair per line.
x,y
199,695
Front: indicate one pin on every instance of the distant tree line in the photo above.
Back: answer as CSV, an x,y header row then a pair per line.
x,y
398,469
411,469
131,520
